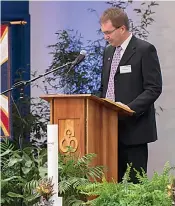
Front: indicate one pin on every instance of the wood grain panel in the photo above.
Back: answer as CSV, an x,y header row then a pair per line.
x,y
69,134
71,109
102,139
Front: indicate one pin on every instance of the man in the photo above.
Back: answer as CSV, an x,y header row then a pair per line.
x,y
130,75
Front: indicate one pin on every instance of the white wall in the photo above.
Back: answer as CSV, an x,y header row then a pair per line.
x,y
162,35
44,22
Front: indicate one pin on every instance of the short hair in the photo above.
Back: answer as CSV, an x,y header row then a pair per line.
x,y
117,16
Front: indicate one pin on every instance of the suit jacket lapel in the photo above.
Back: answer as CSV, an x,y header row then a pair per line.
x,y
109,61
130,50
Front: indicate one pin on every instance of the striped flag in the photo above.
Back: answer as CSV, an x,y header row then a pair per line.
x,y
5,82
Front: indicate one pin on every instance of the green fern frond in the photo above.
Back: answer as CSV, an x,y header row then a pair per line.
x,y
73,201
91,188
6,147
64,186
79,167
75,182
95,172
126,176
86,159
30,187
141,176
72,182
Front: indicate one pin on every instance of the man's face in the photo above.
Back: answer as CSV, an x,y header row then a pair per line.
x,y
111,34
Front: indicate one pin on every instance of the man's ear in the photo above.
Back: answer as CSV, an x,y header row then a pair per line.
x,y
123,29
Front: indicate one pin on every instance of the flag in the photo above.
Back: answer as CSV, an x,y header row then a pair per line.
x,y
5,82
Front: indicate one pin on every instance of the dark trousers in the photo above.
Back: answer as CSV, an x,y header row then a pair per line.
x,y
135,154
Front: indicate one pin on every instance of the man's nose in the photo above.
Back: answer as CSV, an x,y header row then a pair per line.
x,y
106,37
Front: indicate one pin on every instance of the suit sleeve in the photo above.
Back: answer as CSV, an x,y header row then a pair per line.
x,y
152,81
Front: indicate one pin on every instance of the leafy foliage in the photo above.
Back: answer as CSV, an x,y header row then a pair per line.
x,y
83,78
20,172
30,127
146,193
23,176
74,172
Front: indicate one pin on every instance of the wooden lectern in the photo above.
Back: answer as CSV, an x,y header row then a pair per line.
x,y
89,125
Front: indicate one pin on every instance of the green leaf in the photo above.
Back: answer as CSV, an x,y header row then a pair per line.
x,y
30,198
12,194
26,170
42,172
5,153
26,157
7,180
13,161
28,163
30,186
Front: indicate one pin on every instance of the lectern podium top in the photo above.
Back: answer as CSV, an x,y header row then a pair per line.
x,y
108,103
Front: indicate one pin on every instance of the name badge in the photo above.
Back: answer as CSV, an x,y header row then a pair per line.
x,y
125,69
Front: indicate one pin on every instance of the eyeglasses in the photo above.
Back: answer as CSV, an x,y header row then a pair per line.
x,y
110,32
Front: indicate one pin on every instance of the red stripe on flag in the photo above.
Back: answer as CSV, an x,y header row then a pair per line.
x,y
3,28
5,120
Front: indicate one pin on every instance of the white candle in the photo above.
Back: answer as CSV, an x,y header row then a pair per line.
x,y
52,159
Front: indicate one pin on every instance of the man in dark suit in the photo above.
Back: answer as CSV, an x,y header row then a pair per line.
x,y
131,75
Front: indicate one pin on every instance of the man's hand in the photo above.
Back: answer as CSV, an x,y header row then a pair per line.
x,y
123,105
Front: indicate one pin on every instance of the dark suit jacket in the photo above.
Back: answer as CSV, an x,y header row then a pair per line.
x,y
138,89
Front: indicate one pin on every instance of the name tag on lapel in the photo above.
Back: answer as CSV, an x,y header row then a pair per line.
x,y
125,69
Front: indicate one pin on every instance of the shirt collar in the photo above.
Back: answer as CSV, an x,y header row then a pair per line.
x,y
126,42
